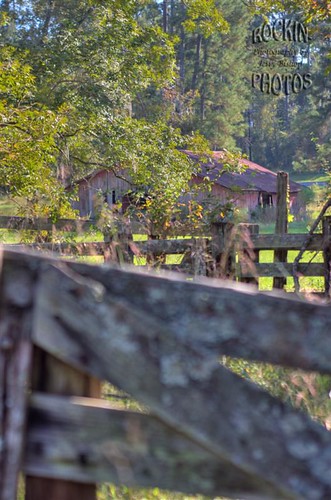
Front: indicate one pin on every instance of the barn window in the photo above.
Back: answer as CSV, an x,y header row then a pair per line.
x,y
265,199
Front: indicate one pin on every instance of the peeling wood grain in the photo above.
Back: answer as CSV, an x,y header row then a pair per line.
x,y
272,328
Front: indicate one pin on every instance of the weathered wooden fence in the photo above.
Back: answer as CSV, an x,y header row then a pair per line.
x,y
158,338
223,250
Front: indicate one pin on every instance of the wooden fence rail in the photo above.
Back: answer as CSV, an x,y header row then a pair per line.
x,y
158,338
224,250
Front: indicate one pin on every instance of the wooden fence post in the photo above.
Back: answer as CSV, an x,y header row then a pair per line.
x,y
124,251
153,260
200,257
16,303
281,222
250,256
53,376
326,224
197,260
108,253
222,249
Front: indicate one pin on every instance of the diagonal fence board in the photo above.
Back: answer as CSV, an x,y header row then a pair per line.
x,y
232,319
87,441
183,384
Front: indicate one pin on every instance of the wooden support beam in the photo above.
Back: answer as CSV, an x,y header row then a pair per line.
x,y
222,249
286,241
248,256
280,269
162,246
86,440
260,332
53,376
270,328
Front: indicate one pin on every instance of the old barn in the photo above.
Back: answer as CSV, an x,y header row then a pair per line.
x,y
253,188
99,185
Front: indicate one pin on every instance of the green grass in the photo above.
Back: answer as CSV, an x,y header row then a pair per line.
x,y
309,283
295,227
7,206
310,177
111,492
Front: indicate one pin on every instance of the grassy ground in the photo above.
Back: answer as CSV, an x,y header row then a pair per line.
x,y
310,177
307,284
111,492
7,206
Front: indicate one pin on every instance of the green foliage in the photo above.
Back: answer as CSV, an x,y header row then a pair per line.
x,y
163,173
205,17
293,132
310,9
89,67
28,140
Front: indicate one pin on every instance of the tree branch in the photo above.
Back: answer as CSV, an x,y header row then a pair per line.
x,y
306,243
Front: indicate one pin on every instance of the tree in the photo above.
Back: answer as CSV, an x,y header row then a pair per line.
x,y
309,9
292,131
98,64
211,91
28,134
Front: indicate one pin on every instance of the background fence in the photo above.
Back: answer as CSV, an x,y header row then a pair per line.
x,y
224,250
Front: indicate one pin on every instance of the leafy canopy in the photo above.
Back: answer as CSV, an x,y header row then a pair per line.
x,y
28,133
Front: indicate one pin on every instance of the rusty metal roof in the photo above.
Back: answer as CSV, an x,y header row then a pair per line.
x,y
252,178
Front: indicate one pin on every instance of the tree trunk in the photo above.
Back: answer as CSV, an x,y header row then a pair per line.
x,y
165,15
203,84
196,62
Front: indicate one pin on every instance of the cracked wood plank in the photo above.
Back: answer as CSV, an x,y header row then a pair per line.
x,y
183,384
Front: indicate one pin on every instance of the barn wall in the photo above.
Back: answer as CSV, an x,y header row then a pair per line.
x,y
104,182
